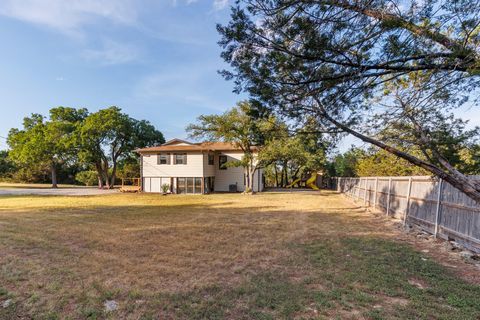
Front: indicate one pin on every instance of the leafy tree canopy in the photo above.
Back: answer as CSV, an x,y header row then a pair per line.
x,y
108,135
46,142
359,67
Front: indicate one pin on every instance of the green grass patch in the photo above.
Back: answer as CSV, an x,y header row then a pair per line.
x,y
366,273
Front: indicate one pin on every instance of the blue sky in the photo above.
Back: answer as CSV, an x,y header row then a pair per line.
x,y
156,59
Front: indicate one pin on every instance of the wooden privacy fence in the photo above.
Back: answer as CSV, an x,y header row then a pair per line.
x,y
428,202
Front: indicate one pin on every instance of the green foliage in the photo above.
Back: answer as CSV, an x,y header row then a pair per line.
x,y
345,165
70,140
88,178
7,167
46,142
165,188
377,162
109,135
364,68
128,168
381,163
247,126
240,128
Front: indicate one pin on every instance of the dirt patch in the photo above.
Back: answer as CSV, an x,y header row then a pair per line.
x,y
418,283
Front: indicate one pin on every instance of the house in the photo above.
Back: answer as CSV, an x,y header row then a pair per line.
x,y
195,168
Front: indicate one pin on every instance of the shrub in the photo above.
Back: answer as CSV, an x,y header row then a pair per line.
x,y
88,178
165,188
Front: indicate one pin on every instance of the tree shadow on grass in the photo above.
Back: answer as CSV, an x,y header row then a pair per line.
x,y
328,276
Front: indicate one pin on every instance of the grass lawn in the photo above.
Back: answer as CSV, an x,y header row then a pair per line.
x,y
224,256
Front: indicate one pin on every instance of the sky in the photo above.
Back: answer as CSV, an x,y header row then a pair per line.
x,y
156,59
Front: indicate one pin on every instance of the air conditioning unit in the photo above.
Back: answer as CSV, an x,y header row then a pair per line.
x,y
232,188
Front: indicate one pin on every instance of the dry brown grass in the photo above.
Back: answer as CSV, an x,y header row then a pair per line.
x,y
64,256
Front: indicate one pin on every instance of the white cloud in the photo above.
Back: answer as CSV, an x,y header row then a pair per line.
x,y
188,2
219,4
69,16
112,53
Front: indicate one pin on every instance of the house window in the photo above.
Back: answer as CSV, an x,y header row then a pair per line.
x,y
210,159
180,158
190,185
198,185
163,158
181,185
221,161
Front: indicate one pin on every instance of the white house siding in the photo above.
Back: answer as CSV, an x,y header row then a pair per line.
x,y
193,168
154,184
258,185
234,175
208,170
154,175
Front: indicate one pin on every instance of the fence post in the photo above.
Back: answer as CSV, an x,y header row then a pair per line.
x,y
359,185
388,194
375,194
365,193
439,204
408,201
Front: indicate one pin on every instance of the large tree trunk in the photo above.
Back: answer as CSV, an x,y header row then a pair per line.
x,y
53,169
458,180
282,173
251,181
105,173
295,175
276,175
113,176
98,166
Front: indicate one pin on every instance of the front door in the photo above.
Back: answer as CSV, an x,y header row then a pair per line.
x,y
181,185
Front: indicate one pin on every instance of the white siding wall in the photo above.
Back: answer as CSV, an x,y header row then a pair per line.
x,y
209,171
232,175
258,185
193,168
154,184
197,166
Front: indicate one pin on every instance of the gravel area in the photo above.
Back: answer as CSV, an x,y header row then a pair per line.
x,y
55,192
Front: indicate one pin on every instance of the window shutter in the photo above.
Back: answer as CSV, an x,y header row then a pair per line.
x,y
185,158
168,158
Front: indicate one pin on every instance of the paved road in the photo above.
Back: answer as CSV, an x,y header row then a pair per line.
x,y
55,192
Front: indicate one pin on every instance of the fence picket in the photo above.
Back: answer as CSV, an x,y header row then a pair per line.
x,y
444,211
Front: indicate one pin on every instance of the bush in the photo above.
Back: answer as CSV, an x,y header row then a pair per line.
x,y
88,178
165,188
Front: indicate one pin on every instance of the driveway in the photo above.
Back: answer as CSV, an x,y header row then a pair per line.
x,y
79,191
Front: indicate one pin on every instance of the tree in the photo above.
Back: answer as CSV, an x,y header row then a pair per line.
x,y
109,135
240,128
345,165
376,162
129,167
46,143
294,155
335,61
7,167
